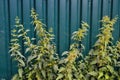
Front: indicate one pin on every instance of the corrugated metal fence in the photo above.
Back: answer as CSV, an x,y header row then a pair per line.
x,y
64,16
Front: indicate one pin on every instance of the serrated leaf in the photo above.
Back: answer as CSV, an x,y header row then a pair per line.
x,y
29,75
21,62
20,30
93,73
100,75
40,65
60,76
62,61
108,58
83,47
111,69
33,39
38,76
43,73
20,54
20,35
70,76
61,69
65,53
11,50
15,77
74,68
27,30
55,67
20,71
81,76
27,50
103,69
93,62
30,58
106,76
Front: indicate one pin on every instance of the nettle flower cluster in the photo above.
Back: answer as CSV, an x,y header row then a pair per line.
x,y
39,60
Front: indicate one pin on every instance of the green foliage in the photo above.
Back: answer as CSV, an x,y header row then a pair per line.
x,y
40,61
68,68
100,63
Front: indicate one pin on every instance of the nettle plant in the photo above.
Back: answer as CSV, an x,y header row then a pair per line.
x,y
39,61
68,65
102,59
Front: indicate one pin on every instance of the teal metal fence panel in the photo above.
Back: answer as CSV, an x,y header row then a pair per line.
x,y
64,16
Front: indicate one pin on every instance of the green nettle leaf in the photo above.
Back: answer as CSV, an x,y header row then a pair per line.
x,y
55,67
43,63
43,73
30,58
29,76
108,58
94,62
93,73
20,54
38,76
20,71
106,76
100,75
60,76
65,53
15,77
62,69
70,76
110,68
27,50
81,76
20,35
74,68
21,62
